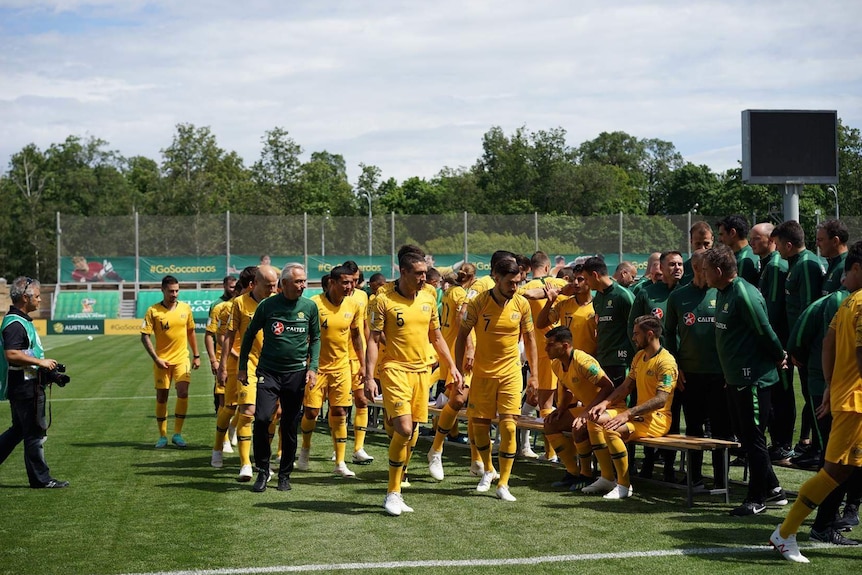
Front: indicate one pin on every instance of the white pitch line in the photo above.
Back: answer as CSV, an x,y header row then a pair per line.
x,y
478,562
58,399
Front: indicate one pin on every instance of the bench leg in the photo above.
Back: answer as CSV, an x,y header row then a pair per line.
x,y
688,479
725,454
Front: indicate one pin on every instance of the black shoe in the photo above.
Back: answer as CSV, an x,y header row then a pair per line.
x,y
283,484
809,460
460,438
260,483
646,470
802,448
748,508
832,536
776,497
849,520
567,481
780,455
52,484
738,461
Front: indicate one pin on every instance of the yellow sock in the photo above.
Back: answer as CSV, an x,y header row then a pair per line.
x,y
397,455
235,419
338,428
444,426
474,453
243,438
411,445
482,438
307,426
585,457
549,448
508,447
360,426
279,443
620,457
180,410
811,494
222,421
162,418
600,449
273,425
565,450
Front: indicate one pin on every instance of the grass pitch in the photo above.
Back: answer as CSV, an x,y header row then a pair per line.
x,y
134,509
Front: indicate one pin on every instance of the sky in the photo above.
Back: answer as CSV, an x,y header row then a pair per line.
x,y
411,87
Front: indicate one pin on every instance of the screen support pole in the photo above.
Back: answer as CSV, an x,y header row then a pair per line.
x,y
791,200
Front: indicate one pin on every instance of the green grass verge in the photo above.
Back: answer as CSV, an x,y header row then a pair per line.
x,y
132,508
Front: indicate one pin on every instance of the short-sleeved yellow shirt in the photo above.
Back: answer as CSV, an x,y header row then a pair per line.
x,y
361,298
170,327
336,321
214,323
845,389
580,319
406,324
498,327
659,373
241,312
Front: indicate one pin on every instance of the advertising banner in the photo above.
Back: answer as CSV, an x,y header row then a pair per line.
x,y
76,327
81,269
87,305
123,327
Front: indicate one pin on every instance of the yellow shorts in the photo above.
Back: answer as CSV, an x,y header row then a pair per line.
x,y
218,388
547,379
176,373
490,396
355,379
577,411
405,392
845,440
331,385
654,424
236,393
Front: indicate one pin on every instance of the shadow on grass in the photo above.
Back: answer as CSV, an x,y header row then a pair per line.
x,y
143,446
335,507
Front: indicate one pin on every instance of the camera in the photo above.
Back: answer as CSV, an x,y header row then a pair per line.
x,y
56,375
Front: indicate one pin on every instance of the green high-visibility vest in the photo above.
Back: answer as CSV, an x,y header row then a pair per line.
x,y
35,349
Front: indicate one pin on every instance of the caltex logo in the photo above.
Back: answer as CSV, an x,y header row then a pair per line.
x,y
657,312
277,328
689,318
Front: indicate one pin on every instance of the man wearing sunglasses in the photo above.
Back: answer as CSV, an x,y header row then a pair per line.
x,y
20,362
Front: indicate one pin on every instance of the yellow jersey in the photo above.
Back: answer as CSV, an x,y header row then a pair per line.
x,y
171,327
582,378
580,319
336,321
659,373
361,298
406,323
845,389
536,306
241,312
481,285
214,323
498,327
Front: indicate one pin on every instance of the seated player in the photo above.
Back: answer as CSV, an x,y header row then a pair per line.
x,y
585,382
654,373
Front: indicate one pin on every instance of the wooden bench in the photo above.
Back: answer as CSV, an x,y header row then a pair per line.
x,y
688,445
682,443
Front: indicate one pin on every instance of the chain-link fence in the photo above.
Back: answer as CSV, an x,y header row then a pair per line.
x,y
143,248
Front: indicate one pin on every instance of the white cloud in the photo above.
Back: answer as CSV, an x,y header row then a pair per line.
x,y
412,86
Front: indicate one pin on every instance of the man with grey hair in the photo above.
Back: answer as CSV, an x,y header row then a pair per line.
x,y
288,361
625,274
20,362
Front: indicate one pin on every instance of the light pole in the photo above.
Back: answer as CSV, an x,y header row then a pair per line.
x,y
370,220
834,191
323,234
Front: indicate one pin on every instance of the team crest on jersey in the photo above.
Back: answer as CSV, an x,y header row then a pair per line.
x,y
610,303
347,315
689,318
183,315
650,373
426,308
657,312
712,303
277,328
515,316
726,306
301,315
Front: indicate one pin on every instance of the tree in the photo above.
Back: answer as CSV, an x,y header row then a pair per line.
x,y
660,162
277,172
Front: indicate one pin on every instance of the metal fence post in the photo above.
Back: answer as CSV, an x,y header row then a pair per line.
x,y
137,255
536,228
305,240
621,235
466,249
59,233
392,239
227,241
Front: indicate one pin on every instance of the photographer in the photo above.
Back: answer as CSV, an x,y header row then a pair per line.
x,y
20,365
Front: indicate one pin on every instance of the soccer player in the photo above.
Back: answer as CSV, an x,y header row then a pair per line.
x,y
625,274
341,322
357,371
804,285
584,381
700,238
654,372
832,236
842,368
540,267
733,232
749,352
499,317
689,329
288,363
244,395
612,304
450,323
213,339
172,323
405,314
653,274
574,311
